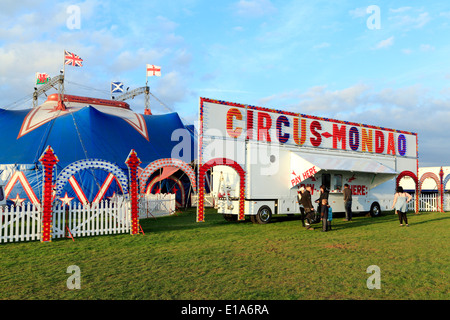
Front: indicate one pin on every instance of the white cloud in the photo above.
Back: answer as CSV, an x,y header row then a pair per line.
x,y
407,51
407,22
411,108
358,12
132,59
12,7
110,48
322,45
254,8
172,88
401,9
166,25
385,43
407,97
426,47
320,99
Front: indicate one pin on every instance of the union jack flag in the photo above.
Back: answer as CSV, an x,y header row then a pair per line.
x,y
72,59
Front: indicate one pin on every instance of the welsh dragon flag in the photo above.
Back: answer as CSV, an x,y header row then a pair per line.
x,y
42,78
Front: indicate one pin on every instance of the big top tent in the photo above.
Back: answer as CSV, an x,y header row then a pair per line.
x,y
90,129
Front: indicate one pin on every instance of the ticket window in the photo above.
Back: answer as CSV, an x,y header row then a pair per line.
x,y
337,183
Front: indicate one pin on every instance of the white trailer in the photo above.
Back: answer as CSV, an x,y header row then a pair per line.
x,y
279,152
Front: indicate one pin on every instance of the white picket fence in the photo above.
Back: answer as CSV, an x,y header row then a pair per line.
x,y
430,202
105,217
156,205
21,223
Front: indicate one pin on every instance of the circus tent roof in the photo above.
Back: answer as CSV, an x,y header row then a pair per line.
x,y
87,128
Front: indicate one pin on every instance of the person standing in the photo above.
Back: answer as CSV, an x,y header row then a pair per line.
x,y
324,215
307,205
348,202
302,210
323,195
400,205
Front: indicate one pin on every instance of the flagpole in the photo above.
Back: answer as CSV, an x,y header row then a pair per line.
x,y
64,62
61,84
147,93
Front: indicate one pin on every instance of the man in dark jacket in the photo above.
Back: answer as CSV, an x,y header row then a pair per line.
x,y
348,202
307,205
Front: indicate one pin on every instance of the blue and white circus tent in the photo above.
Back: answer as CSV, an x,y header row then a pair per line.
x,y
89,129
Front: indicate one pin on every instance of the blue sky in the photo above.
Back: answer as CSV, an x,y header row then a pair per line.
x,y
314,57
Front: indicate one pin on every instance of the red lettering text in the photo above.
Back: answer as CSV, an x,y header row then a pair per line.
x,y
315,125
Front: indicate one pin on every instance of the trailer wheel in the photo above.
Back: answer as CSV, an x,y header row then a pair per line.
x,y
230,217
375,209
263,216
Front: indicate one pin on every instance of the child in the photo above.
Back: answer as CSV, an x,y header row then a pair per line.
x,y
324,214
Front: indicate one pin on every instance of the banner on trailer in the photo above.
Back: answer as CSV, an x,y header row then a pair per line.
x,y
237,122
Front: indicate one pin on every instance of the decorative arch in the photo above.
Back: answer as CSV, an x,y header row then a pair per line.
x,y
416,182
201,191
177,183
80,165
431,175
168,162
407,174
447,179
428,175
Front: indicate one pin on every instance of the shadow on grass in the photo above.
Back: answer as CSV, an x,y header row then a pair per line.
x,y
432,220
186,220
183,221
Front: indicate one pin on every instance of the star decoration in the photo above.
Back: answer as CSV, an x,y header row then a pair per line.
x,y
113,197
17,200
66,199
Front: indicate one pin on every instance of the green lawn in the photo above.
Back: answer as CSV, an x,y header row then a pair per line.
x,y
178,258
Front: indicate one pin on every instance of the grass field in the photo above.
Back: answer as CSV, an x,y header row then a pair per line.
x,y
178,258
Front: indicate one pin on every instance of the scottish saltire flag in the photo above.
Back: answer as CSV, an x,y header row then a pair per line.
x,y
72,59
153,70
42,78
116,87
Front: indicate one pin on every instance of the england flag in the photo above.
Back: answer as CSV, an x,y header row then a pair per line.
x,y
153,70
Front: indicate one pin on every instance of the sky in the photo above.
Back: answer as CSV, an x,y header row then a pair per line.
x,y
383,63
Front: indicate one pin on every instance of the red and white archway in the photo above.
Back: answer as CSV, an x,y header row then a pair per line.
x,y
201,190
169,166
416,183
431,175
177,184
